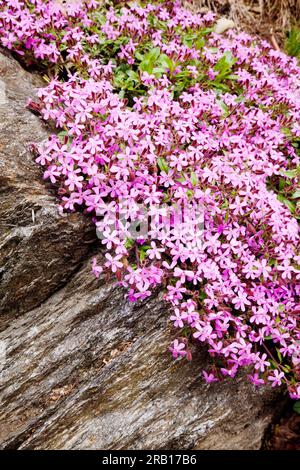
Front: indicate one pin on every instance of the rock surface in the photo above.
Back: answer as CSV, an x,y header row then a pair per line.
x,y
80,367
39,250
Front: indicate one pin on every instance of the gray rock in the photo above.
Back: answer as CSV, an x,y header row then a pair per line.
x,y
39,250
80,367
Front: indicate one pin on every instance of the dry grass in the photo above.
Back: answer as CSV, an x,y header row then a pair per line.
x,y
268,18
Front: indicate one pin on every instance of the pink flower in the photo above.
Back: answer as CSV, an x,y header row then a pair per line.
x,y
203,333
209,377
276,378
52,173
155,252
150,154
261,362
241,301
294,392
177,349
177,318
113,263
96,269
256,380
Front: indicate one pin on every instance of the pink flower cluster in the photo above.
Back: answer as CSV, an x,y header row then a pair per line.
x,y
227,146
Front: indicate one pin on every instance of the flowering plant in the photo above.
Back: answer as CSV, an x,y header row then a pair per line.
x,y
154,110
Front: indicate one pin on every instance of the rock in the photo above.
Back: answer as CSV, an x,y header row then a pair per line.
x,y
88,370
39,249
80,367
284,434
223,24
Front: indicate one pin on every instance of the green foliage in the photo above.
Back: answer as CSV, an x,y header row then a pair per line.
x,y
155,63
143,252
150,59
290,205
224,70
162,165
129,243
287,186
296,194
194,179
296,407
127,80
292,42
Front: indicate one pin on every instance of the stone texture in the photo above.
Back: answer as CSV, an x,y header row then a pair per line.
x,y
88,370
80,367
38,248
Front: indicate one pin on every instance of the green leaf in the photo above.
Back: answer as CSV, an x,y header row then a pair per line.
x,y
290,173
296,194
292,43
288,203
199,43
129,243
296,407
143,251
273,364
162,164
205,31
279,355
282,184
225,63
194,179
240,99
220,86
273,262
166,62
188,39
202,295
63,133
222,105
133,75
193,38
286,131
149,60
139,56
158,71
